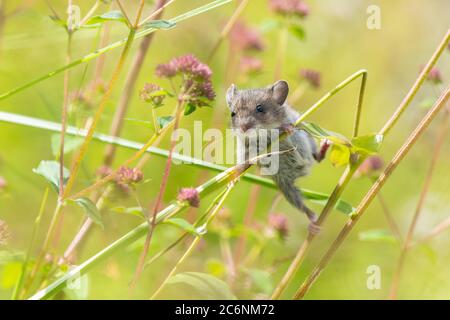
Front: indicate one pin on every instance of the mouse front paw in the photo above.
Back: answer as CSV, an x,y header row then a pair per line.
x,y
321,154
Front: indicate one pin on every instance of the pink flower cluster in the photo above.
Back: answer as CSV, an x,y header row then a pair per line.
x,y
190,195
290,7
244,37
152,93
196,78
279,223
311,76
127,176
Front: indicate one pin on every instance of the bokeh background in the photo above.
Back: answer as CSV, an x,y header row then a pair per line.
x,y
337,43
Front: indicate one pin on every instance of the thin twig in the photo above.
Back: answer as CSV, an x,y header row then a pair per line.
x,y
218,206
441,136
364,204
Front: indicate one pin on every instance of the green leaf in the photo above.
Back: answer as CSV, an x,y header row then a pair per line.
x,y
186,226
189,109
90,209
321,133
206,285
164,121
70,143
135,211
115,15
297,31
367,144
50,171
339,155
159,24
378,235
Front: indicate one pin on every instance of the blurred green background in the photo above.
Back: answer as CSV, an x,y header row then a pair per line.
x,y
337,43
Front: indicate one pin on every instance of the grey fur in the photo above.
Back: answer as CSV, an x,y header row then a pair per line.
x,y
277,114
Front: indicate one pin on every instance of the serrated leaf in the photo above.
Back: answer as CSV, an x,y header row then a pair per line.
x,y
378,235
115,15
90,209
208,286
367,144
135,211
164,121
186,226
339,155
50,171
189,108
159,24
70,143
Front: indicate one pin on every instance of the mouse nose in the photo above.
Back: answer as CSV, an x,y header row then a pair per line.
x,y
245,127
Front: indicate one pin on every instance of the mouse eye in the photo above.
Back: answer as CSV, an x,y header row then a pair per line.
x,y
259,108
233,114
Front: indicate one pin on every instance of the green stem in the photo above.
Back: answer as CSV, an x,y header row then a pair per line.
x,y
376,187
37,223
338,189
218,206
417,84
316,197
99,52
441,136
98,114
207,188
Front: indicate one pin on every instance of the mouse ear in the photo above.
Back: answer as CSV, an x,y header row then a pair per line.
x,y
231,93
280,90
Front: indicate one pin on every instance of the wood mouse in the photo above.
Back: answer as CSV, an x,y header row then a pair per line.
x,y
267,109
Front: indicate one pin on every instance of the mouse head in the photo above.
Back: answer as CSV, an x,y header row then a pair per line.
x,y
258,108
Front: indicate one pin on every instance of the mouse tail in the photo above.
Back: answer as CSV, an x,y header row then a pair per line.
x,y
293,196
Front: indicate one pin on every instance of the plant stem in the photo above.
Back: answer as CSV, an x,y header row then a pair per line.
x,y
417,84
389,218
98,114
226,30
206,188
441,135
162,190
37,223
376,187
338,189
128,90
301,253
218,206
156,12
99,52
85,227
66,101
281,53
